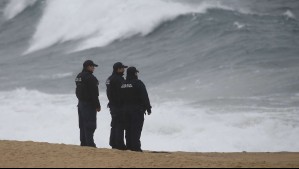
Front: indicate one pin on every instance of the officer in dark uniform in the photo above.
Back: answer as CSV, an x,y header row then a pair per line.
x,y
87,93
113,84
135,104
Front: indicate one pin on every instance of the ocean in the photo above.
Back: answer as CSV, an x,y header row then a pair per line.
x,y
222,75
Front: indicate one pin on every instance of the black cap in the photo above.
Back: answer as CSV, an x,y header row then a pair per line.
x,y
132,70
89,63
119,65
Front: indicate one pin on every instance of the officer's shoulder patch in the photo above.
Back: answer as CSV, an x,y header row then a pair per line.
x,y
78,79
126,86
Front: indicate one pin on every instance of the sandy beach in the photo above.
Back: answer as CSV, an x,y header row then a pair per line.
x,y
35,155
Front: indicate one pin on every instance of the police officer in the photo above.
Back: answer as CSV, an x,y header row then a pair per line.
x,y
135,104
87,93
113,84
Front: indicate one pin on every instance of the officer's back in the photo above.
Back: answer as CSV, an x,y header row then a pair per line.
x,y
134,92
131,93
135,103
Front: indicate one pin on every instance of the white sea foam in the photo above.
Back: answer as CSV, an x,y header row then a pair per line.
x,y
289,14
56,76
173,126
239,25
14,7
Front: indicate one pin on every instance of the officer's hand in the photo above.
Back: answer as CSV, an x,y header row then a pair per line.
x,y
98,109
149,111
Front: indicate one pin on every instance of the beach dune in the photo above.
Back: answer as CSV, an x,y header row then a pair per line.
x,y
36,155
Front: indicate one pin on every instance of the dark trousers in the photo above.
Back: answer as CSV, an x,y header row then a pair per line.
x,y
134,125
117,129
87,123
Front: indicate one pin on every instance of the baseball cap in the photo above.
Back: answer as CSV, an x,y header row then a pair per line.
x,y
132,70
89,63
119,65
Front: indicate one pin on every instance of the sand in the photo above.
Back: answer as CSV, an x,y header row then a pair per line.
x,y
44,155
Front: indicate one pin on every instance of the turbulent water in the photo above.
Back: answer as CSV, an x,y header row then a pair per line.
x,y
222,75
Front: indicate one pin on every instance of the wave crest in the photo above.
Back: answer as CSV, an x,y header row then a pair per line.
x,y
98,23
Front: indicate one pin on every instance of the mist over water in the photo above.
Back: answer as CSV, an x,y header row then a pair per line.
x,y
222,75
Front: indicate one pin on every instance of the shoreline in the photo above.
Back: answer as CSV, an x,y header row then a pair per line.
x,y
36,155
